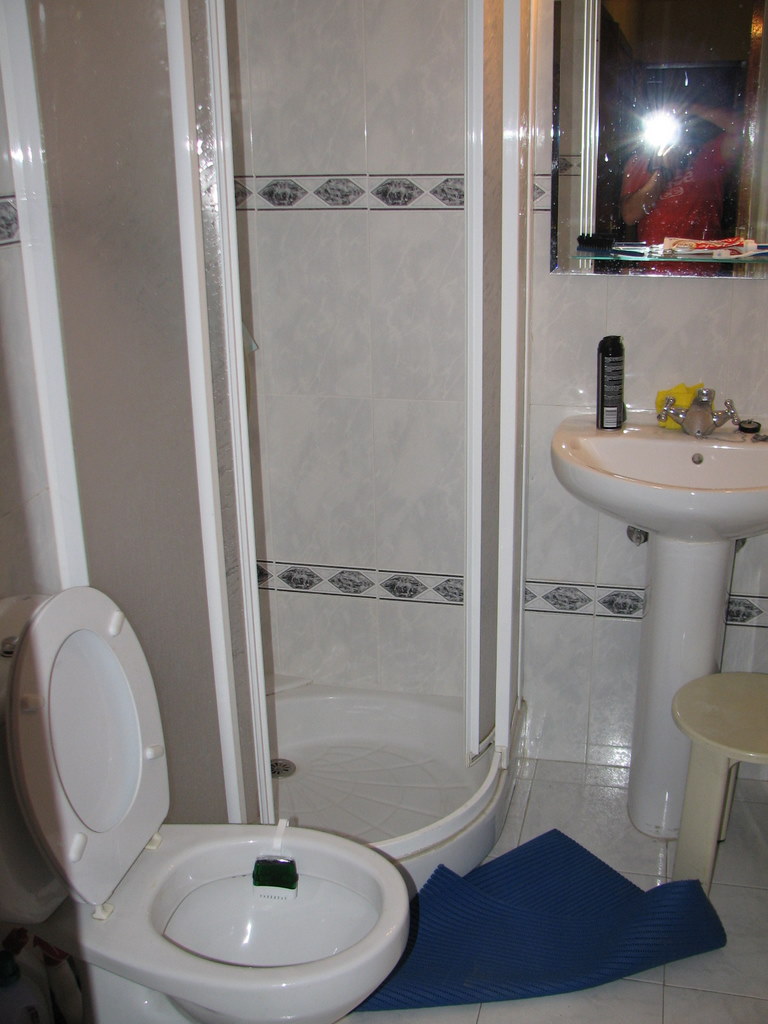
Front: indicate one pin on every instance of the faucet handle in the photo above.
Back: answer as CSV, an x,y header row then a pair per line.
x,y
732,414
669,402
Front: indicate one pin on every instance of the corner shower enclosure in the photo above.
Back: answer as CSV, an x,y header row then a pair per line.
x,y
356,208
339,171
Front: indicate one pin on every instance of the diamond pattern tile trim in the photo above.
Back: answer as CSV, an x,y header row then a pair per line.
x,y
282,192
339,191
452,590
450,191
743,611
397,192
626,602
350,581
365,583
299,577
242,192
350,191
568,599
444,589
9,220
623,602
403,586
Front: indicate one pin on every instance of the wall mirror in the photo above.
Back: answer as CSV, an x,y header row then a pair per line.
x,y
660,129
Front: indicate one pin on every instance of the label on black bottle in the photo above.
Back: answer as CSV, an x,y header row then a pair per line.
x,y
612,391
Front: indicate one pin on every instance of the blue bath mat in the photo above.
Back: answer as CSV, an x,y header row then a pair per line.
x,y
547,917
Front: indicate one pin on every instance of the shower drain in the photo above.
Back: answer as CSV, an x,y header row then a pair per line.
x,y
282,768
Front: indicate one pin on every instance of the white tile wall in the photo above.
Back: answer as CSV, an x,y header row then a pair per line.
x,y
320,479
310,115
420,647
418,454
312,270
328,639
359,317
414,85
418,327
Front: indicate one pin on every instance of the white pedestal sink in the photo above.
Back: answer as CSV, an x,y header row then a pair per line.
x,y
695,497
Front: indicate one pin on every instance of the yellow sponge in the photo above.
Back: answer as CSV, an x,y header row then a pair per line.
x,y
683,395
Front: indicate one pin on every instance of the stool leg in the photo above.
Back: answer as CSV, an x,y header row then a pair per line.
x,y
728,806
705,793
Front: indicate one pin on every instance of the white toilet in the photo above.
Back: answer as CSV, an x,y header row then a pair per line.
x,y
170,922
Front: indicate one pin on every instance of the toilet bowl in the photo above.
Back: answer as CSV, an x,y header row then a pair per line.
x,y
169,922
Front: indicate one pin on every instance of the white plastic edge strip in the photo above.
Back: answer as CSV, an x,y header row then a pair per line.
x,y
31,187
513,381
241,457
474,392
193,273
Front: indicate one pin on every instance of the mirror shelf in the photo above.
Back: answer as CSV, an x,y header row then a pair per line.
x,y
705,259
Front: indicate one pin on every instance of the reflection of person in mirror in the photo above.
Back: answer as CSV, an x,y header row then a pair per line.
x,y
679,191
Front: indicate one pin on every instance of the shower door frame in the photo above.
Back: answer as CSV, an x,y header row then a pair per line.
x,y
191,184
508,624
508,662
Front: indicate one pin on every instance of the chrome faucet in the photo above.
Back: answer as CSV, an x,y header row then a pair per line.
x,y
700,419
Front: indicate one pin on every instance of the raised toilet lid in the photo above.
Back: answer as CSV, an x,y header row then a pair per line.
x,y
87,742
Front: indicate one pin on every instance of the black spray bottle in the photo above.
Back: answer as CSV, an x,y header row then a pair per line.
x,y
610,383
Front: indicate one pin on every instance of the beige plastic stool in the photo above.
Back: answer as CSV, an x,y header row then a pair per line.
x,y
726,717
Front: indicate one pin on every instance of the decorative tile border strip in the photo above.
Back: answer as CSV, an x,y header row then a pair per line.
x,y
9,220
439,588
747,611
584,599
569,164
541,198
350,192
343,581
625,602
620,602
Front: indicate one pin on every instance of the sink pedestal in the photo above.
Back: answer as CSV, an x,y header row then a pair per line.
x,y
695,496
681,639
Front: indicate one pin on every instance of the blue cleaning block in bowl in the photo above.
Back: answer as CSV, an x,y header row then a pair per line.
x,y
545,918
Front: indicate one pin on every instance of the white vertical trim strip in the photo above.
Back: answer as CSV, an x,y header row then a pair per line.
x,y
509,620
474,365
241,457
528,104
30,183
193,273
590,119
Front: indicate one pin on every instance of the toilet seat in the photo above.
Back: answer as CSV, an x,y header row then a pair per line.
x,y
87,748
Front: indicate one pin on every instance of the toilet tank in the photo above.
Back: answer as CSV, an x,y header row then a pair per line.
x,y
30,890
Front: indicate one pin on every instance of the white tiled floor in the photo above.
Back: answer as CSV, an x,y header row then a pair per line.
x,y
727,986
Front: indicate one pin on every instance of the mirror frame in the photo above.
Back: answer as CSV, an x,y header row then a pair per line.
x,y
576,121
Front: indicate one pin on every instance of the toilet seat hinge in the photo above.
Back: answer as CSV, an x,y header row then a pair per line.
x,y
154,842
102,912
